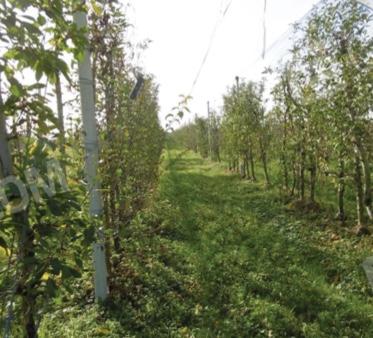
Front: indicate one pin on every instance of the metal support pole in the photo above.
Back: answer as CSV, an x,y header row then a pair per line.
x,y
91,162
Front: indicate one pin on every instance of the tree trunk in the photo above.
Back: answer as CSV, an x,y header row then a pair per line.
x,y
285,172
359,192
6,165
110,160
247,167
117,245
284,152
237,165
295,178
341,191
106,212
61,124
302,168
367,178
243,168
313,178
27,292
252,164
25,236
263,155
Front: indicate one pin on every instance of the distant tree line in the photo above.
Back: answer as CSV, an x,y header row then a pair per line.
x,y
318,134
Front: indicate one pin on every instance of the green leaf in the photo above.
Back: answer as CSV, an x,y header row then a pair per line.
x,y
16,89
68,272
38,70
78,262
3,243
51,287
89,235
56,266
36,86
55,207
97,8
11,54
41,20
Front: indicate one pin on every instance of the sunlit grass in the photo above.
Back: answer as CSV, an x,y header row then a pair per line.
x,y
217,256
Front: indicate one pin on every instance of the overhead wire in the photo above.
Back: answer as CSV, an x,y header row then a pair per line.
x,y
282,39
264,30
210,44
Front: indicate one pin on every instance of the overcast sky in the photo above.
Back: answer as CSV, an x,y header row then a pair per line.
x,y
180,31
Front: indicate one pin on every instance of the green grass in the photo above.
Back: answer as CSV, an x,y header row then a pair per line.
x,y
216,256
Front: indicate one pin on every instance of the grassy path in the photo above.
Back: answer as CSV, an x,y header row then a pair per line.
x,y
215,256
262,270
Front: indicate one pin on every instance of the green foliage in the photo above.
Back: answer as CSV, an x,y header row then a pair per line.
x,y
322,118
206,254
244,128
202,263
130,132
45,240
202,136
46,248
174,118
202,130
